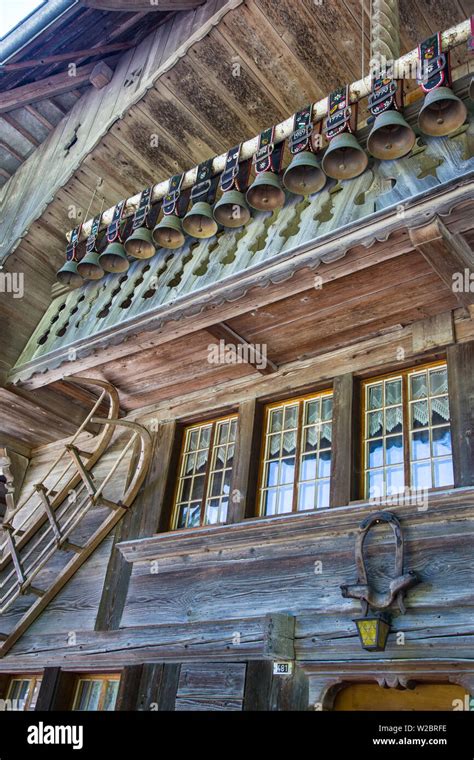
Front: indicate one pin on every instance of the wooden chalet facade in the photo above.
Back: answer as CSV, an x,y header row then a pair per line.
x,y
216,458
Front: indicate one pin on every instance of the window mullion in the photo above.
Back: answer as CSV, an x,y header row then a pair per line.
x,y
406,429
299,436
208,473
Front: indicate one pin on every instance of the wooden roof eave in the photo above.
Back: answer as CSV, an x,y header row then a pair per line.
x,y
240,291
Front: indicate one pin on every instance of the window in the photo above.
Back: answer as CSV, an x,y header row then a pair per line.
x,y
96,693
407,436
205,473
23,691
296,463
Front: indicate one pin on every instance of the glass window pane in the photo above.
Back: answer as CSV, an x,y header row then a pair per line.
x,y
189,463
212,512
198,487
227,480
273,446
285,499
233,430
393,392
419,414
375,453
312,412
111,695
287,470
418,386
393,420
185,489
276,420
374,424
394,451
326,408
310,442
421,475
194,516
205,437
324,464
395,480
216,484
438,381
375,484
443,472
289,443
201,461
291,417
439,410
308,467
220,457
230,455
441,441
323,494
307,496
270,501
325,436
375,396
193,440
223,432
182,516
420,445
272,469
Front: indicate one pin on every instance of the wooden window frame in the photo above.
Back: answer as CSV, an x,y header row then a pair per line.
x,y
105,678
35,680
180,459
299,430
404,375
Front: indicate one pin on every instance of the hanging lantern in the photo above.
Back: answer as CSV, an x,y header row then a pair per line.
x,y
168,233
304,175
391,136
373,631
231,210
266,192
89,267
140,245
114,258
199,222
344,158
442,111
68,275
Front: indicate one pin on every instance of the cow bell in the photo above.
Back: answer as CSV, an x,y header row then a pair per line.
x,y
89,267
114,259
304,175
391,136
231,210
140,244
69,276
168,233
344,158
442,112
199,221
266,192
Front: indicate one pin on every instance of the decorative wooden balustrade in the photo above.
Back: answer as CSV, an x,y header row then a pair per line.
x,y
49,534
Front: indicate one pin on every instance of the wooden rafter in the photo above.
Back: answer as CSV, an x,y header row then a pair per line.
x,y
71,55
125,6
252,353
21,129
44,88
11,150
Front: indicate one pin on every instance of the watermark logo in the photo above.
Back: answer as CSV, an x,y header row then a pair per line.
x,y
413,497
463,282
45,734
466,704
12,282
242,353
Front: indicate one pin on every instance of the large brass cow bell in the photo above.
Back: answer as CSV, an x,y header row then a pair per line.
x,y
391,136
231,210
114,259
69,276
168,233
442,112
199,221
140,244
344,158
304,174
266,192
89,267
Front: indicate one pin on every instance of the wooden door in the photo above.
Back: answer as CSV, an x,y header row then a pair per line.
x,y
371,696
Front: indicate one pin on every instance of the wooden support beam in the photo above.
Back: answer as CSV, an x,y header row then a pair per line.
x,y
11,151
45,88
126,6
56,691
151,686
258,686
14,554
244,481
20,128
39,117
41,490
72,55
279,636
342,441
85,475
249,353
449,256
460,358
101,75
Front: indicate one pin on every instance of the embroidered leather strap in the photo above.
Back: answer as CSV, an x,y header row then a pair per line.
x,y
340,113
91,240
302,130
269,156
175,201
434,64
72,245
113,230
235,175
141,214
383,95
206,185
